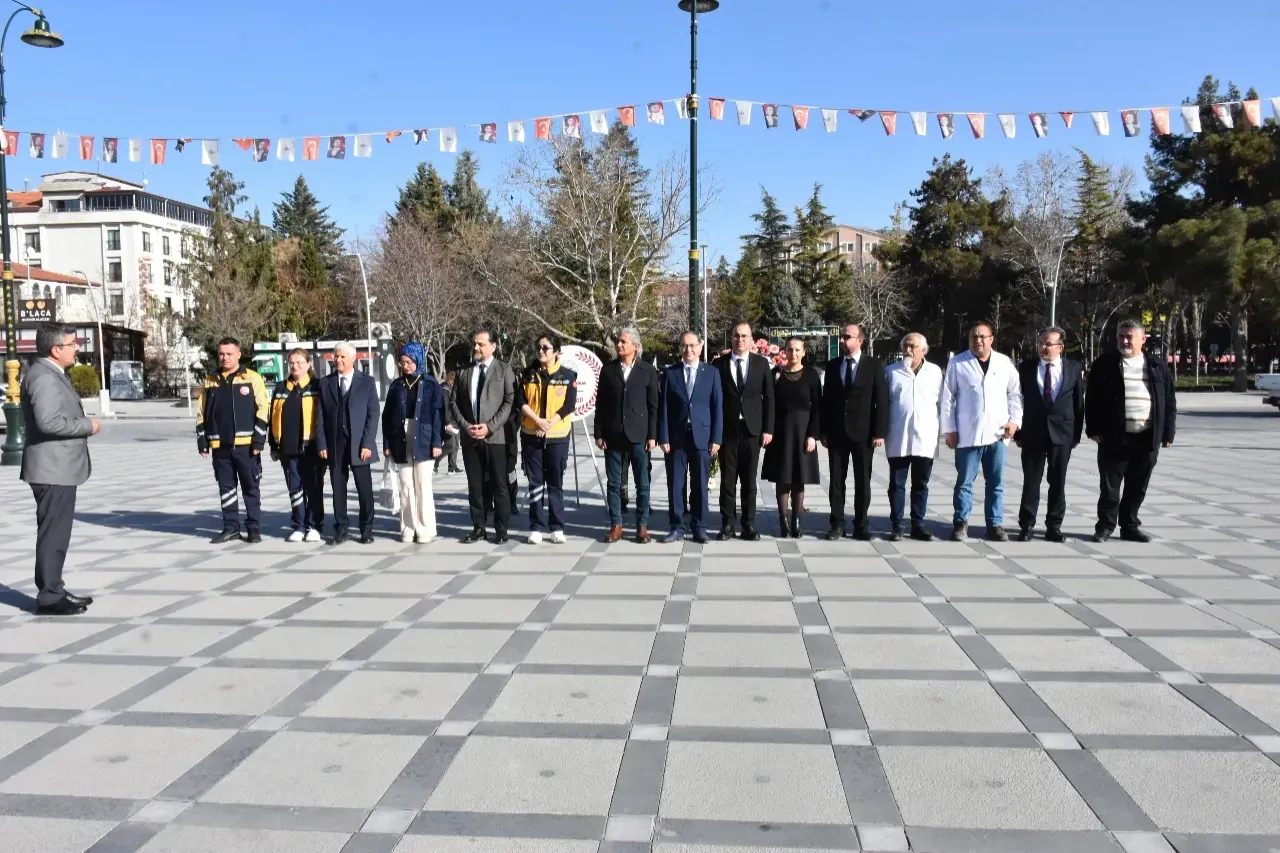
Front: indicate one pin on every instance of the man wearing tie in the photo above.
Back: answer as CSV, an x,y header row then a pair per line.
x,y
349,439
1052,423
747,382
481,408
690,430
855,420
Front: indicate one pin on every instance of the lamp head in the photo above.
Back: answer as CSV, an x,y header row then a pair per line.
x,y
703,5
41,36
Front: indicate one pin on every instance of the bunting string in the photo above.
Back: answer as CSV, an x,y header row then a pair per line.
x,y
571,124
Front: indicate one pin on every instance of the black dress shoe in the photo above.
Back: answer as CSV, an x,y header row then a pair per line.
x,y
959,531
919,534
1053,534
835,534
673,536
1134,535
253,536
61,607
339,536
997,534
85,600
749,534
700,536
476,535
1024,535
725,534
225,536
499,538
896,535
862,534
1100,536
366,538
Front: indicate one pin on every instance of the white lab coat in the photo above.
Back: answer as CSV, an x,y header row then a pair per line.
x,y
977,406
913,409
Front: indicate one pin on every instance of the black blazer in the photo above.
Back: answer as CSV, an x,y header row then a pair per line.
x,y
1063,422
862,414
627,413
1104,400
755,404
362,405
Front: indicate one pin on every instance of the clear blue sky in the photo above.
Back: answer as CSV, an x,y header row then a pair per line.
x,y
306,67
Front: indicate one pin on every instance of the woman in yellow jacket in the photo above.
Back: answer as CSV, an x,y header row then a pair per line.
x,y
295,421
546,396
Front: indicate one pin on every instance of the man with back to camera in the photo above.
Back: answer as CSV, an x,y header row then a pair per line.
x,y
747,382
55,462
855,419
1052,422
981,411
231,428
1131,411
349,440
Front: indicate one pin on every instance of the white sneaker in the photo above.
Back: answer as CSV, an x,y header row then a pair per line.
x,y
313,536
535,538
557,536
406,536
424,539
295,536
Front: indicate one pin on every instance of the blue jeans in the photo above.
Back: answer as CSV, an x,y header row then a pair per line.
x,y
918,469
544,463
991,460
615,460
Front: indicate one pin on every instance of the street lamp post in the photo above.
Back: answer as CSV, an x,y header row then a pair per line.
x,y
104,396
15,430
693,7
368,322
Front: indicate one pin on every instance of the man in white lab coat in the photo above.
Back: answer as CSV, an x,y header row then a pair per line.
x,y
911,443
981,411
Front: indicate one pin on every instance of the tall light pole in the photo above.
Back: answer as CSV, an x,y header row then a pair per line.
x,y
693,7
15,438
368,321
104,396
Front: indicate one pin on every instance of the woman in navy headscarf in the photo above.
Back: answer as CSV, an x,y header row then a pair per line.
x,y
412,435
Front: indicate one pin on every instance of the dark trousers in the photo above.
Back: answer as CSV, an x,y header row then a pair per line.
x,y
687,464
919,469
55,512
842,457
739,460
487,460
304,476
617,460
1126,464
1034,460
339,470
544,463
234,466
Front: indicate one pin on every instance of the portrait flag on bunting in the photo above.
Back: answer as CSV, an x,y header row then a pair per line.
x,y
11,144
1129,122
420,135
1067,118
1223,113
86,148
571,126
337,148
542,128
829,120
489,132
1007,124
110,148
179,144
1039,124
627,115
310,148
1160,120
919,121
862,115
1252,114
717,108
1101,122
157,151
35,145
657,113
261,150
770,112
449,140
800,115
890,122
744,112
978,124
515,131
599,122
947,124
285,149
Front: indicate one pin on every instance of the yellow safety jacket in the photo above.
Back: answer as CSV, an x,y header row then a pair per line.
x,y
309,392
234,405
549,393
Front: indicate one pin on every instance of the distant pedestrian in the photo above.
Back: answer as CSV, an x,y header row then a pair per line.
x,y
450,450
295,423
55,462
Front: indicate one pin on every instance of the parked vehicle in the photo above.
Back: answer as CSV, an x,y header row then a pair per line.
x,y
1269,384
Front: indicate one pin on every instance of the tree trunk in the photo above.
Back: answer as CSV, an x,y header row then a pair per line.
x,y
1240,344
1197,357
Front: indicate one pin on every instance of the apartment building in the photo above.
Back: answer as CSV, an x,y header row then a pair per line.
x,y
853,244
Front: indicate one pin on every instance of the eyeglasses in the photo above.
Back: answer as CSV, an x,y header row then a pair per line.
x,y
688,346
546,349
982,337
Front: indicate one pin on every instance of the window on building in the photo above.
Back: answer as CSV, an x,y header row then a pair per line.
x,y
164,244
115,272
113,240
64,205
168,272
31,240
146,241
36,264
168,303
117,304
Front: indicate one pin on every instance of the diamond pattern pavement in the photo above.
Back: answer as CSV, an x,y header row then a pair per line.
x,y
583,698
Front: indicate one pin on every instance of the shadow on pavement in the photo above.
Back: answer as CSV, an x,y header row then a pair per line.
x,y
10,597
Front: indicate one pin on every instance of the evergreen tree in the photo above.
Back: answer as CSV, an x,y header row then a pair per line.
x,y
466,201
816,262
736,296
787,305
423,199
299,214
769,247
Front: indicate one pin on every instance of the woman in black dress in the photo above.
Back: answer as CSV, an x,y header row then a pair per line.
x,y
791,459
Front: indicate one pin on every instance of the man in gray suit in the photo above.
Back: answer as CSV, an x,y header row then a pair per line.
x,y
482,401
56,461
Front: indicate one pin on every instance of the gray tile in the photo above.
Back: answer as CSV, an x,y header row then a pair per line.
x,y
639,785
707,836
422,774
1108,800
505,826
988,841
867,792
264,817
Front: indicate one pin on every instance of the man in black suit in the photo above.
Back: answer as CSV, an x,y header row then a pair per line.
x,y
348,439
855,419
626,428
481,409
1052,423
1131,412
747,380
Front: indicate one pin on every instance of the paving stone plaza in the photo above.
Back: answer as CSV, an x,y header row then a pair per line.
x,y
767,696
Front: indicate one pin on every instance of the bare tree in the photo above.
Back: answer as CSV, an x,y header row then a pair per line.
x,y
1039,197
1193,324
875,299
590,237
422,290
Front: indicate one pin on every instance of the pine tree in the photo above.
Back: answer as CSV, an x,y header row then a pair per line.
x,y
736,296
423,199
816,262
299,214
467,202
769,247
787,305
